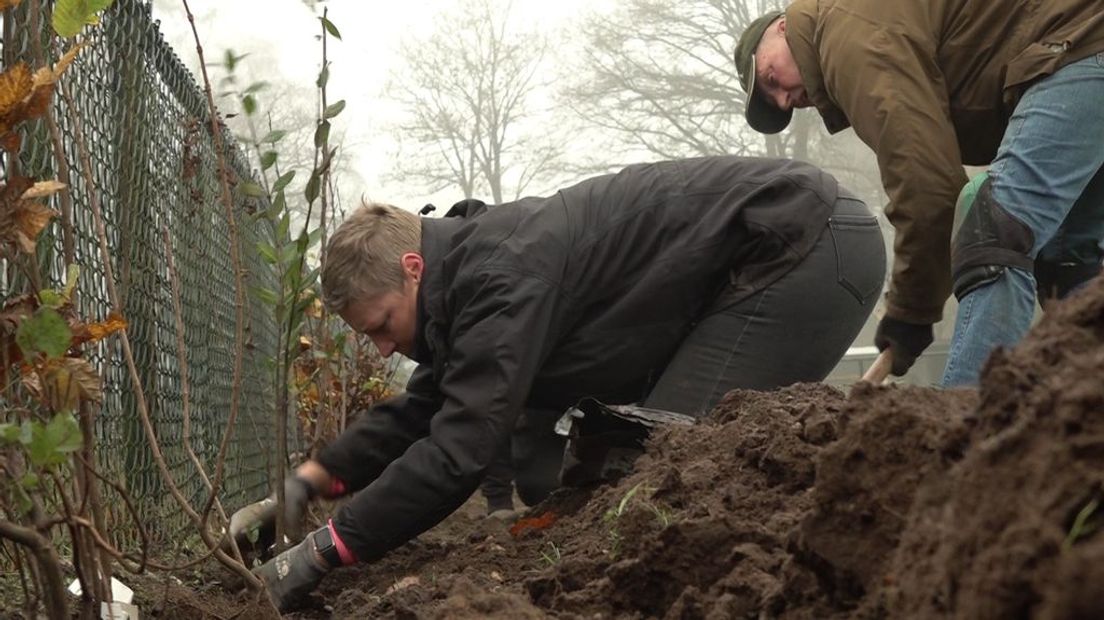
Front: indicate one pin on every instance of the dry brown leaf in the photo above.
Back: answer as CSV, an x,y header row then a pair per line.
x,y
11,142
43,188
9,208
15,85
88,381
314,310
7,4
65,382
30,380
29,220
23,96
404,583
99,331
60,389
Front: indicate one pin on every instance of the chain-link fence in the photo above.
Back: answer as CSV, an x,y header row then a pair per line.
x,y
146,126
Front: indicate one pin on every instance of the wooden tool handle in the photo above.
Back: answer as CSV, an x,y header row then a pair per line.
x,y
879,370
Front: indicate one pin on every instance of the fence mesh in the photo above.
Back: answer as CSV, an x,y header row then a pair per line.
x,y
146,126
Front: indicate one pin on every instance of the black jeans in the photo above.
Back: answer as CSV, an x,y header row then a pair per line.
x,y
793,330
796,329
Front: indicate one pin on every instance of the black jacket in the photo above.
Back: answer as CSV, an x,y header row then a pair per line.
x,y
545,300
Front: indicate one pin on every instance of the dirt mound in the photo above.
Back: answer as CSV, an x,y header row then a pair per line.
x,y
1008,533
801,503
701,526
892,442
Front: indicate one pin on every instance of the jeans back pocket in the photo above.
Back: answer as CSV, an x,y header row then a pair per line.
x,y
860,255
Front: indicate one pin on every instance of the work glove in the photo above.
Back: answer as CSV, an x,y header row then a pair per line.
x,y
254,526
292,575
905,340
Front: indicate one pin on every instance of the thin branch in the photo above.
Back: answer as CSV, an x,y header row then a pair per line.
x,y
48,563
239,284
128,354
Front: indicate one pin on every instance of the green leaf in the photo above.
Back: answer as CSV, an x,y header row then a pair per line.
x,y
291,277
29,480
249,188
267,296
53,442
313,187
268,159
283,181
59,297
256,87
273,136
282,229
322,134
249,105
65,430
9,433
334,109
330,28
304,303
231,60
279,205
323,77
315,237
72,272
46,332
51,298
70,16
289,253
267,252
23,502
311,277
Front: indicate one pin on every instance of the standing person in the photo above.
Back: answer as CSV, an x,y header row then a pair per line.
x,y
930,85
667,283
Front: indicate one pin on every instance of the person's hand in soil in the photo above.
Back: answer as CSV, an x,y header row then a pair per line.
x,y
906,340
294,574
254,526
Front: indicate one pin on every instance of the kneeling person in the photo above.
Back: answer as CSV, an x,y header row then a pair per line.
x,y
666,284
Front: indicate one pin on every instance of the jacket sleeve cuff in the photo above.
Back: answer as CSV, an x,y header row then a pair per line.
x,y
337,488
346,554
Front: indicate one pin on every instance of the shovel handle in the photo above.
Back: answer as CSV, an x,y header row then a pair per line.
x,y
879,370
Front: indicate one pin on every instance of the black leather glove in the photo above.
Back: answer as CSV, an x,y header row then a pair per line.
x,y
254,526
906,340
292,575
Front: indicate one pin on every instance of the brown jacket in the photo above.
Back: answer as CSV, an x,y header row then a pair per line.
x,y
916,78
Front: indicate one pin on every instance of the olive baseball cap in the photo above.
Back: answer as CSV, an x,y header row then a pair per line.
x,y
761,114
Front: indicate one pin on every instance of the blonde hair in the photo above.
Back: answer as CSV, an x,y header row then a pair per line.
x,y
362,257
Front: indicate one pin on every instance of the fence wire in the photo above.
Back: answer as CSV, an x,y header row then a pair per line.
x,y
146,125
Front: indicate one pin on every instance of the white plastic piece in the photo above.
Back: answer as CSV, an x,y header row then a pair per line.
x,y
118,611
120,593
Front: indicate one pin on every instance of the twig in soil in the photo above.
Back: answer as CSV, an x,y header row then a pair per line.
x,y
553,556
131,510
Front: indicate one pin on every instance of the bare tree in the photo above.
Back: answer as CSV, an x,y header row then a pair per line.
x,y
658,76
471,95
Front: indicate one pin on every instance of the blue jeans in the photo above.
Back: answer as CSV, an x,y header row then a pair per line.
x,y
1048,174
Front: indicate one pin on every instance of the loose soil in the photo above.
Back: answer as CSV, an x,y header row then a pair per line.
x,y
889,502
